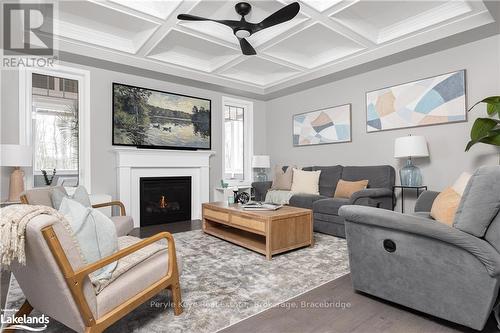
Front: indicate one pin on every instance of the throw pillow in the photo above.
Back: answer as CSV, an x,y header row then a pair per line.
x,y
445,206
305,182
80,196
282,179
94,232
345,189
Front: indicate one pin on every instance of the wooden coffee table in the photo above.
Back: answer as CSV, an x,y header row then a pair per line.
x,y
266,232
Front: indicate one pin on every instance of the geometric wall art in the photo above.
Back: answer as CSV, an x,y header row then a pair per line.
x,y
329,125
436,100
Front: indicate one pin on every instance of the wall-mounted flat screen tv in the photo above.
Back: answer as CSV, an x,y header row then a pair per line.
x,y
148,118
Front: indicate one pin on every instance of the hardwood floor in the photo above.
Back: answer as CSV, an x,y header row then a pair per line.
x,y
320,310
173,227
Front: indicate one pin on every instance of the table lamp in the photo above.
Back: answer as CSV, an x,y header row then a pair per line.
x,y
261,162
408,147
16,156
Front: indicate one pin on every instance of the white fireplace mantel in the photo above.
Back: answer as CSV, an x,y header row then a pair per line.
x,y
133,163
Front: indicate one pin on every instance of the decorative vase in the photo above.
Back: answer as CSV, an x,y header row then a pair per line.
x,y
261,175
410,174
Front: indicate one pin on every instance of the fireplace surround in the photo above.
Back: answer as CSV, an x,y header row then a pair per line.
x,y
134,163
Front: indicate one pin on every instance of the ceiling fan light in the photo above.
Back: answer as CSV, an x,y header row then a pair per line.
x,y
242,33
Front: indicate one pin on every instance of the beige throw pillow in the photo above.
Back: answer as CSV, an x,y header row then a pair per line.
x,y
345,189
282,179
305,182
445,206
446,203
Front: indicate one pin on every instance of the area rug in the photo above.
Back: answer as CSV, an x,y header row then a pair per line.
x,y
223,284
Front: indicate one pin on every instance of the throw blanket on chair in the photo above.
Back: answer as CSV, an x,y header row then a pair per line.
x,y
15,218
13,221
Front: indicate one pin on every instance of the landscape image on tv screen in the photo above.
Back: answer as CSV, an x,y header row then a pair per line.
x,y
151,118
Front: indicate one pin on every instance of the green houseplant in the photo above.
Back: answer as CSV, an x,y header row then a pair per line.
x,y
486,130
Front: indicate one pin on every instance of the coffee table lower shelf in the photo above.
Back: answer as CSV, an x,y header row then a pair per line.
x,y
240,237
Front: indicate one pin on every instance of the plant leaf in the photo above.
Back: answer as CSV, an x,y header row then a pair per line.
x,y
493,138
491,100
493,108
481,128
470,144
484,130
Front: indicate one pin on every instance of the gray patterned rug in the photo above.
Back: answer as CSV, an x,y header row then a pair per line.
x,y
223,283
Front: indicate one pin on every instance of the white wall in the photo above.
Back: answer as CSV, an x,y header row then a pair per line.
x,y
481,59
9,125
103,169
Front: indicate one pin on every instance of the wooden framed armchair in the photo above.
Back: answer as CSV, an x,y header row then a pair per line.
x,y
42,196
56,282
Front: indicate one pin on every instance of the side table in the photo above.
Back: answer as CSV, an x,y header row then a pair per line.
x,y
419,190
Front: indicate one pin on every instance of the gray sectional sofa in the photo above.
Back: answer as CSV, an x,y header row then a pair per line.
x,y
451,272
325,207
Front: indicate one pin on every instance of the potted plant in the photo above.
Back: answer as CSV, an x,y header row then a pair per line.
x,y
486,130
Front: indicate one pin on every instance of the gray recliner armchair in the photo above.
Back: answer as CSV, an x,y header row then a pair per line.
x,y
410,259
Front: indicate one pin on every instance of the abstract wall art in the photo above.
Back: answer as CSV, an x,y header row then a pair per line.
x,y
329,125
436,100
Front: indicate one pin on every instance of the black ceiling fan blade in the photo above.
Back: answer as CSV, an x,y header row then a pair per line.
x,y
284,14
246,48
188,17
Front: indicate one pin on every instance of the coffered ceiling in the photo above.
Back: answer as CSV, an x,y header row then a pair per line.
x,y
326,36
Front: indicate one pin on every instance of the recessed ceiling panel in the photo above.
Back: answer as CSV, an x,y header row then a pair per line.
x,y
159,9
314,46
259,71
321,5
189,51
95,24
224,10
381,21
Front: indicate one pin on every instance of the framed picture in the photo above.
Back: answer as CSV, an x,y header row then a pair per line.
x,y
149,118
436,100
329,125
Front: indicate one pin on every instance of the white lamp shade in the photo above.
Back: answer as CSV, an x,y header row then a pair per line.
x,y
261,161
15,156
410,146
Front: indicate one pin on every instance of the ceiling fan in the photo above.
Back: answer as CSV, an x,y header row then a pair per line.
x,y
243,29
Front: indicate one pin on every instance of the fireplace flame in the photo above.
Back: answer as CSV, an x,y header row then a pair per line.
x,y
163,202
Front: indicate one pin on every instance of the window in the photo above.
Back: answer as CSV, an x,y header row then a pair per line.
x,y
234,142
237,140
55,129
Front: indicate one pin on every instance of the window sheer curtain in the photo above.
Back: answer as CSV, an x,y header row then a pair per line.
x,y
55,142
234,142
